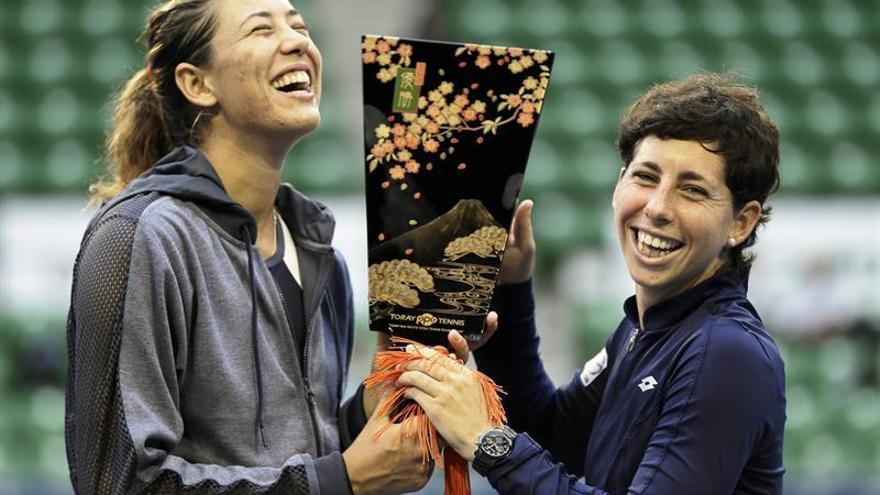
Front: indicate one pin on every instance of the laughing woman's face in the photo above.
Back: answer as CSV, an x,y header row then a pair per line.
x,y
674,215
266,70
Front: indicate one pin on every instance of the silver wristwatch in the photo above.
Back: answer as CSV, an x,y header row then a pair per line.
x,y
493,446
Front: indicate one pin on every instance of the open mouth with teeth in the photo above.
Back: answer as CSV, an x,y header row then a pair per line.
x,y
298,80
655,247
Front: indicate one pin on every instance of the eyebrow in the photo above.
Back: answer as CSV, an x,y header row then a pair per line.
x,y
688,175
268,15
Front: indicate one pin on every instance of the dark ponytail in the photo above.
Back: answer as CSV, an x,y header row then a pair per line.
x,y
150,114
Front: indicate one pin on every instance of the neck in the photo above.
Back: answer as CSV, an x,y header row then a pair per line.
x,y
647,297
250,170
251,173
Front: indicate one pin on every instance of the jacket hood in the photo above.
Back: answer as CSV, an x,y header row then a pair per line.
x,y
186,174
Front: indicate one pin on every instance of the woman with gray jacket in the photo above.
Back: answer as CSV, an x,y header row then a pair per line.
x,y
211,322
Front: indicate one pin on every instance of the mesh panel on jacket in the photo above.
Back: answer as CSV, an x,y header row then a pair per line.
x,y
100,451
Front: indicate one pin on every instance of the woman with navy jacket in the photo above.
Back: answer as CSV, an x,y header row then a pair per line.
x,y
687,396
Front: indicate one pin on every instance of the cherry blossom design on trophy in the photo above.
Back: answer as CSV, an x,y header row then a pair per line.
x,y
446,113
447,133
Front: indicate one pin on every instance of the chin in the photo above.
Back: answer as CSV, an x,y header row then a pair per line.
x,y
302,127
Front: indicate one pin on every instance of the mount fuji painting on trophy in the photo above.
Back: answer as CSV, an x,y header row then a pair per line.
x,y
447,133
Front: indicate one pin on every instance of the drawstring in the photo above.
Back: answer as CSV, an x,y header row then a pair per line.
x,y
250,257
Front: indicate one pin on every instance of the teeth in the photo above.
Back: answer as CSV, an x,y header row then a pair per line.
x,y
297,76
647,240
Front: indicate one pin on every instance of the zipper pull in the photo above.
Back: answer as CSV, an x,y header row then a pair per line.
x,y
632,339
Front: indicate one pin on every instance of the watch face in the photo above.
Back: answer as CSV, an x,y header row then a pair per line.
x,y
495,444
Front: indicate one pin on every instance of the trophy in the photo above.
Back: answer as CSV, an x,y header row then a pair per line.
x,y
447,133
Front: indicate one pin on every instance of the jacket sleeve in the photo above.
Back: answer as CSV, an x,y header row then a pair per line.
x,y
723,399
560,419
122,418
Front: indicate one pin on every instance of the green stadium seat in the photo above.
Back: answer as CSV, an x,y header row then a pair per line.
x,y
570,66
872,112
840,18
41,17
740,57
12,166
823,454
838,360
678,59
544,19
621,63
597,165
112,60
663,18
851,168
780,108
321,164
51,61
604,18
863,411
580,113
59,111
8,112
489,18
723,18
102,17
825,113
6,67
555,219
546,168
795,169
68,165
782,19
861,64
594,322
803,64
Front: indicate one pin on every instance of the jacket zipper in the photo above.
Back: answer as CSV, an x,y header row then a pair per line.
x,y
319,289
310,396
632,338
304,369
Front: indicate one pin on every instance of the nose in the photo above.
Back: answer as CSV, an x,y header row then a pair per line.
x,y
294,42
659,206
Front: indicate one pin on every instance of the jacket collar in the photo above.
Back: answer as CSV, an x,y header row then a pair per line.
x,y
186,174
672,311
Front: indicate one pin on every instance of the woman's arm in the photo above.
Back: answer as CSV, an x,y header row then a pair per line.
x,y
720,424
123,423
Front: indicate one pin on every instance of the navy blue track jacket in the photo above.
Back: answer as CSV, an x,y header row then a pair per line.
x,y
694,403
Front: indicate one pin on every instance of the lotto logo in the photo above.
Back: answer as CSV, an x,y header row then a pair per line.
x,y
647,383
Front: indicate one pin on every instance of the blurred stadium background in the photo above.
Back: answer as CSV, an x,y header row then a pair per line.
x,y
816,280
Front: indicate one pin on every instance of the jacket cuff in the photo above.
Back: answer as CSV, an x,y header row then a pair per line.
x,y
523,452
353,418
332,474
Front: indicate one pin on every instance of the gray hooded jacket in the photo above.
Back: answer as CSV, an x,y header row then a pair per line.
x,y
184,376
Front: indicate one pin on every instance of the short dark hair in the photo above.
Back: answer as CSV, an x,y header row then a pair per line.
x,y
728,118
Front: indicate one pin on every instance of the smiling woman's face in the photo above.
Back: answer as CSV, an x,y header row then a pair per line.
x,y
266,70
674,214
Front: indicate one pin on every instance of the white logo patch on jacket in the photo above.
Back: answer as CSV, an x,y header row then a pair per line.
x,y
594,367
647,383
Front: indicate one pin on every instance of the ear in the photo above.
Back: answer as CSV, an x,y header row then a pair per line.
x,y
744,222
193,83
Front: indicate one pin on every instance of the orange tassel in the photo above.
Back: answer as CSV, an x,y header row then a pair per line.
x,y
388,366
